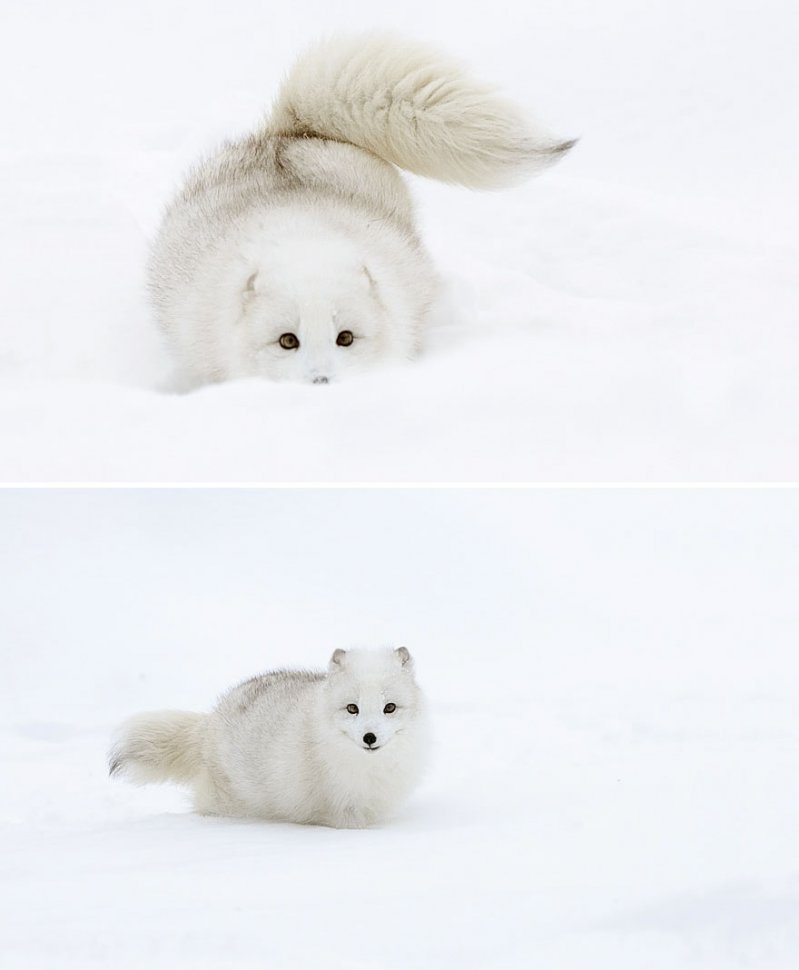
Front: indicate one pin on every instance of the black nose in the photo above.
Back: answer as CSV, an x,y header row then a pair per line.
x,y
321,380
369,738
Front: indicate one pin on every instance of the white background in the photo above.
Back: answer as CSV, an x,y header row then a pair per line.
x,y
613,679
630,315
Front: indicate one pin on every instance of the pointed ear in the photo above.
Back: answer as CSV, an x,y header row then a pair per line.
x,y
403,656
374,289
337,660
371,279
250,287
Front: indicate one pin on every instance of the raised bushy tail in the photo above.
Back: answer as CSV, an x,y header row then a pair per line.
x,y
158,746
414,107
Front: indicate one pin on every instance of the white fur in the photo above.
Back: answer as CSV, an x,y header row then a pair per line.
x,y
284,746
413,106
306,228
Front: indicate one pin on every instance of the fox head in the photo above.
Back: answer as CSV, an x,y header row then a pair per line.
x,y
372,696
316,306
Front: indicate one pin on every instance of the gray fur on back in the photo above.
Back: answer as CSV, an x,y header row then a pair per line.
x,y
279,686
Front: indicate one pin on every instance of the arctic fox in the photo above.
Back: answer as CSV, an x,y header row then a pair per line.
x,y
292,253
342,748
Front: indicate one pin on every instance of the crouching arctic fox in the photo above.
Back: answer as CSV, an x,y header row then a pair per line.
x,y
292,253
342,748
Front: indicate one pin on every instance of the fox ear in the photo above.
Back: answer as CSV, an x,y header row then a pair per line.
x,y
250,287
337,660
372,281
403,655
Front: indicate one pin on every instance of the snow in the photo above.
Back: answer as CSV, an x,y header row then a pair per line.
x,y
612,677
630,315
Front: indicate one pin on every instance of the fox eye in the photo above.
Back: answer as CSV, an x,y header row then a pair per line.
x,y
389,708
289,341
352,708
345,338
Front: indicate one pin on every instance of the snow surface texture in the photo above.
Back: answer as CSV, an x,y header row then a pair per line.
x,y
631,314
613,683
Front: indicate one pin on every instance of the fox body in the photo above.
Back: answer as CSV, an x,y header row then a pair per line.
x,y
342,748
292,253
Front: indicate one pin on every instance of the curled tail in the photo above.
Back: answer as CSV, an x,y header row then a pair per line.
x,y
159,746
414,107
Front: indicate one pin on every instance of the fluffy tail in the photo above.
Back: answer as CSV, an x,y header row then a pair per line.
x,y
160,746
414,107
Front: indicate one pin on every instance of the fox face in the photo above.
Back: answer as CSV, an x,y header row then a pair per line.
x,y
371,696
314,308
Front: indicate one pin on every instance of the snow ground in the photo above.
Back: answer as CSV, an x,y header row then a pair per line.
x,y
613,680
630,315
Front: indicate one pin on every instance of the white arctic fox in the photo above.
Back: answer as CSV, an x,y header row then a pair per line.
x,y
342,748
293,253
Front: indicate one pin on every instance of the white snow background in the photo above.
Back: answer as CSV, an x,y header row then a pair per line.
x,y
613,682
630,315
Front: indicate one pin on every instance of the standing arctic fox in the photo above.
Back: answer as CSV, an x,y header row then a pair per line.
x,y
292,253
342,748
